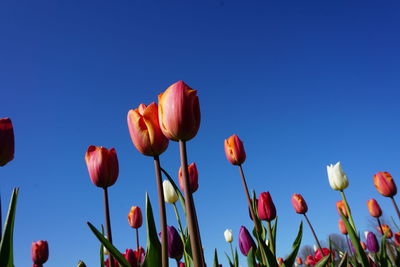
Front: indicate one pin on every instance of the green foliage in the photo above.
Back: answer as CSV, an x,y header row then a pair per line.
x,y
289,261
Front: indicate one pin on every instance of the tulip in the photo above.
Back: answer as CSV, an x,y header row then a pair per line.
x,y
299,261
140,254
386,230
342,227
372,242
40,252
340,206
246,242
385,185
363,245
135,217
319,255
6,141
397,239
179,112
193,178
129,255
102,165
279,261
145,130
228,235
374,208
181,264
175,245
170,195
310,260
234,150
299,204
266,208
107,262
337,177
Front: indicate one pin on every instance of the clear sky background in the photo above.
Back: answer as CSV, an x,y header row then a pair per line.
x,y
303,83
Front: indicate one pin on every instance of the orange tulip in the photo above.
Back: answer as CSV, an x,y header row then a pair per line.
x,y
341,206
386,230
363,245
342,227
6,141
397,239
193,178
299,204
135,217
279,261
299,261
234,150
385,185
145,130
374,208
179,112
102,165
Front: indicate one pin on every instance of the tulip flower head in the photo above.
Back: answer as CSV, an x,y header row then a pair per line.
x,y
337,177
310,261
179,112
246,242
228,235
102,165
342,227
135,217
386,230
175,245
385,184
340,206
6,141
145,130
279,261
299,261
266,208
181,264
234,150
319,255
299,204
170,195
130,256
374,208
193,178
40,252
372,242
397,239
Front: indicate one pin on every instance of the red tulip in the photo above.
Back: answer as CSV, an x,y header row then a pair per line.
x,y
40,252
181,264
340,206
397,239
135,217
179,112
386,230
145,130
299,204
318,255
102,165
193,178
385,185
310,261
280,261
342,227
6,141
266,208
299,261
140,254
130,256
234,150
374,208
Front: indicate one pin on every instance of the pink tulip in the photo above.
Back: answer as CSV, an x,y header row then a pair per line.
x,y
102,165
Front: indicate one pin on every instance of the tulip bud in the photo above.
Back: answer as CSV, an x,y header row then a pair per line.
x,y
319,255
246,242
310,261
40,252
299,204
140,254
135,217
337,177
81,264
175,245
193,178
170,195
315,248
228,235
341,206
372,242
179,112
342,227
374,208
6,141
385,185
129,255
107,262
299,261
386,230
102,165
279,261
397,239
145,130
266,208
234,150
181,264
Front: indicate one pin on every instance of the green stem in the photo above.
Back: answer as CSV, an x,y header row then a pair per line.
x,y
313,232
396,207
137,246
108,222
270,238
233,255
178,218
380,226
348,211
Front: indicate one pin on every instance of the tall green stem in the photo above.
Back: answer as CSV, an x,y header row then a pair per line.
x,y
396,207
271,240
233,255
313,232
178,218
108,222
348,211
137,246
380,226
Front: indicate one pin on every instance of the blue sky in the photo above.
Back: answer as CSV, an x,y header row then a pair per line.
x,y
303,83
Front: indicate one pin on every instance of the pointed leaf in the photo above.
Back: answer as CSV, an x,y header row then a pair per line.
x,y
215,258
229,260
251,261
236,258
343,261
274,233
153,254
102,249
289,261
323,261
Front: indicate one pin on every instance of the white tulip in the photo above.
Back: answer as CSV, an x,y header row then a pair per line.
x,y
337,177
366,234
315,248
170,195
228,235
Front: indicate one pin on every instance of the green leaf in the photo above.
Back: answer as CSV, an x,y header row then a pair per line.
x,y
215,258
102,249
274,233
6,244
323,261
236,258
153,254
180,195
110,247
271,259
251,261
343,261
332,261
289,261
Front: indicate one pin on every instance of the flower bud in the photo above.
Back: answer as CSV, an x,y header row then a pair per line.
x,y
102,165
342,227
266,208
129,255
319,255
374,208
299,204
234,150
179,112
372,242
397,239
193,178
181,264
299,261
385,185
386,230
40,252
228,235
81,264
145,130
310,261
135,217
170,195
279,260
175,245
341,206
6,141
246,242
337,177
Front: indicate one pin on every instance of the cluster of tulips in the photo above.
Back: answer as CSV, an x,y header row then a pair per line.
x,y
176,117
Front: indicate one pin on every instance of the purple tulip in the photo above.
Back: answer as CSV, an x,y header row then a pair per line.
x,y
175,245
246,242
372,243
